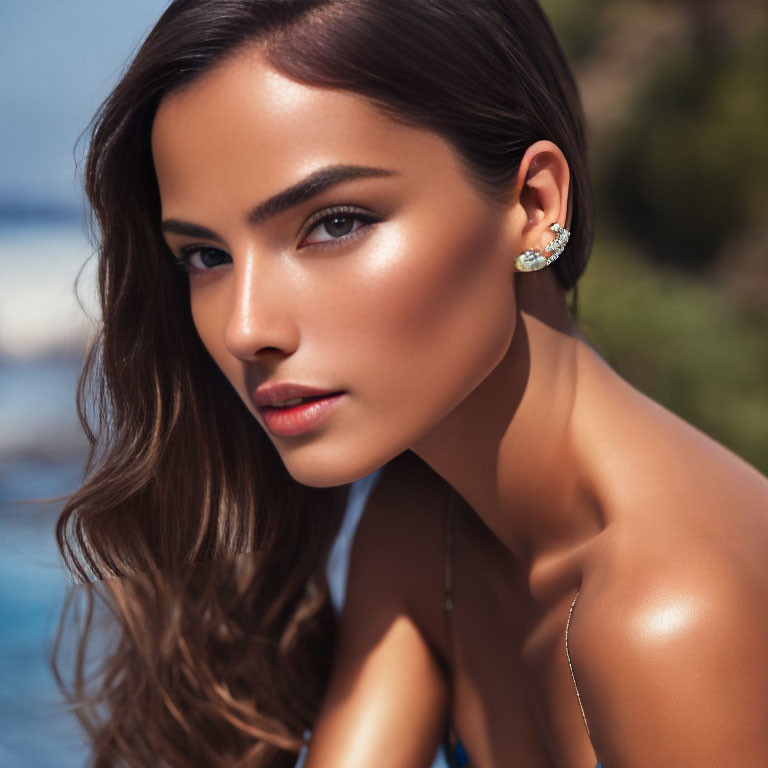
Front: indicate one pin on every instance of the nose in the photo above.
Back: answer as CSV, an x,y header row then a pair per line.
x,y
261,316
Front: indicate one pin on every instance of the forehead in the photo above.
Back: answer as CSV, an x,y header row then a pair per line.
x,y
244,117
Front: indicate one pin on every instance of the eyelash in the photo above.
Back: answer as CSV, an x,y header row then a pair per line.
x,y
354,213
330,214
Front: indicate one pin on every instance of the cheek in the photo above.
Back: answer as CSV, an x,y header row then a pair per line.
x,y
410,328
435,321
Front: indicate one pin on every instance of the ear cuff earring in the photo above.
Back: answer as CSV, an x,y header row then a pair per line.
x,y
533,260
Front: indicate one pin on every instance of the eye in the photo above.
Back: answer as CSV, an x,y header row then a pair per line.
x,y
336,225
201,258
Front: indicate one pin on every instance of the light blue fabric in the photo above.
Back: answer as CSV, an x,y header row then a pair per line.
x,y
338,567
338,558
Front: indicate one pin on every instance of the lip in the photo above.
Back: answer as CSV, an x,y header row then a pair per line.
x,y
298,419
275,395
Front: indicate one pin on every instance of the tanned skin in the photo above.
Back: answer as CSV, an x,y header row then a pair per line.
x,y
459,371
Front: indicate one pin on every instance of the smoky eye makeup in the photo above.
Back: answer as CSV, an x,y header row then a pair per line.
x,y
209,257
336,218
334,222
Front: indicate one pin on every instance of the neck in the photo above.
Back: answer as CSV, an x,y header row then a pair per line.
x,y
509,448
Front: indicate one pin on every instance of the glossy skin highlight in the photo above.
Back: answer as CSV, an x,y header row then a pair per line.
x,y
572,479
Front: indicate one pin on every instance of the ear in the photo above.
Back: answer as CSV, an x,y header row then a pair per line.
x,y
543,184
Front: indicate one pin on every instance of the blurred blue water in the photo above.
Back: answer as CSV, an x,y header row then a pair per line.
x,y
36,399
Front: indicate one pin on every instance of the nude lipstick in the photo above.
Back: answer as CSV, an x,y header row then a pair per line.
x,y
289,410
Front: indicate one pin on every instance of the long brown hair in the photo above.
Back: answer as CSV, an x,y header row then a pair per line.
x,y
180,478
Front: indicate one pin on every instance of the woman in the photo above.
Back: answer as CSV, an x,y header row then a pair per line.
x,y
338,235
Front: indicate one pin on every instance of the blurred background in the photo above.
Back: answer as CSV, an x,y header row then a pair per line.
x,y
676,95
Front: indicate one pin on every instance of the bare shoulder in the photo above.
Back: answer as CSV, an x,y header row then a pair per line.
x,y
649,462
670,654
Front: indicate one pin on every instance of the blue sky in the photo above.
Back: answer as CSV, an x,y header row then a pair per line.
x,y
58,60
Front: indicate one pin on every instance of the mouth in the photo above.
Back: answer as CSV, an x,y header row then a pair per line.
x,y
298,401
299,415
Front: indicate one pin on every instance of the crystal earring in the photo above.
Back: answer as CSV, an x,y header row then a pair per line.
x,y
533,260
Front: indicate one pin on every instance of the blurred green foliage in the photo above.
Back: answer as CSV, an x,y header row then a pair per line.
x,y
688,172
681,181
579,26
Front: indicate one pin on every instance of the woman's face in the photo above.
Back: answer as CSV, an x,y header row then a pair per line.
x,y
402,300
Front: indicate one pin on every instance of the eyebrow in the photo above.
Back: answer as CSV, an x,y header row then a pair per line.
x,y
309,187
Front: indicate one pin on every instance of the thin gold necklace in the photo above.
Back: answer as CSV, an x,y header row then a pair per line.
x,y
568,656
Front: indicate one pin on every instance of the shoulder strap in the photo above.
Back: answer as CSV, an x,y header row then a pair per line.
x,y
449,737
448,597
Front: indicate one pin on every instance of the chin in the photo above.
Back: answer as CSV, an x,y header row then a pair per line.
x,y
318,467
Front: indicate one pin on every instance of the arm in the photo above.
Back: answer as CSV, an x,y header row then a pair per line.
x,y
677,674
387,701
